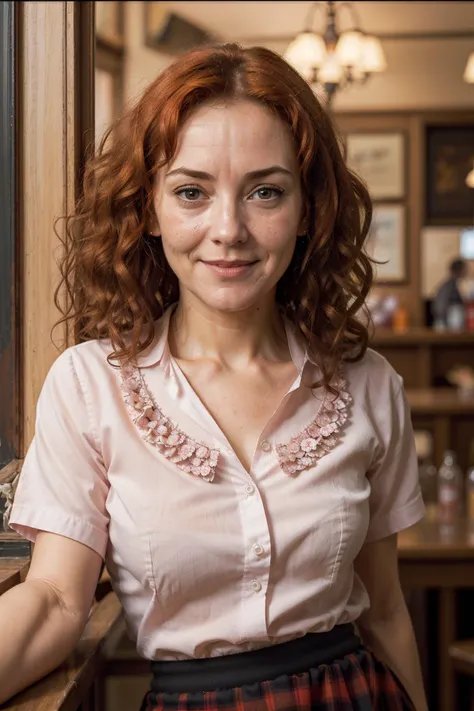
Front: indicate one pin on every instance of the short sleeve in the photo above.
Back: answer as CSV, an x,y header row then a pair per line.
x,y
395,500
63,484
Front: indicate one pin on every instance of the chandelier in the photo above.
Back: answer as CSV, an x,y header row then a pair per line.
x,y
331,60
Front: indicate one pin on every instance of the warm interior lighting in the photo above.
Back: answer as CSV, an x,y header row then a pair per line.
x,y
333,59
469,70
373,56
470,178
306,52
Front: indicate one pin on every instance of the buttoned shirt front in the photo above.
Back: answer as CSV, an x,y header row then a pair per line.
x,y
207,558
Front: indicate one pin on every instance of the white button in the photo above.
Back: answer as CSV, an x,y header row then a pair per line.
x,y
249,489
256,587
266,446
258,550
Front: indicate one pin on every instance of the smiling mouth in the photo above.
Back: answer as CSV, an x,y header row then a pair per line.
x,y
237,268
230,264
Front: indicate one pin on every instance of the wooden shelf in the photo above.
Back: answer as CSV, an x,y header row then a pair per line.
x,y
12,572
424,357
438,401
420,337
430,539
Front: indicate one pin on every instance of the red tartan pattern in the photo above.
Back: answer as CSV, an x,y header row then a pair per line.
x,y
358,682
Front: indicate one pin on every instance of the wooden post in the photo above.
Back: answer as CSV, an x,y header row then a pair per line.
x,y
55,90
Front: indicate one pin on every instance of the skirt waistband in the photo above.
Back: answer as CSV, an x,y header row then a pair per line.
x,y
236,670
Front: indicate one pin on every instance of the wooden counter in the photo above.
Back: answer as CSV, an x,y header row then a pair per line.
x,y
440,559
78,683
430,540
12,572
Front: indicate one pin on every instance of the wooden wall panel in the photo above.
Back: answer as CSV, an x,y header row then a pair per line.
x,y
413,124
56,45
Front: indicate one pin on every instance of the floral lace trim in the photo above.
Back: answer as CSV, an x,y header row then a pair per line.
x,y
305,449
190,456
301,452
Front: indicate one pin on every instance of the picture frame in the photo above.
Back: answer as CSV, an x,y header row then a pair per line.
x,y
109,23
386,243
170,32
438,247
449,158
378,158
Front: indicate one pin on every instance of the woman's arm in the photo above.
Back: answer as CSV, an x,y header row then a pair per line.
x,y
41,620
386,627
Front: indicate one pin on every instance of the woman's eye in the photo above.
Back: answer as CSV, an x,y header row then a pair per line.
x,y
189,194
266,193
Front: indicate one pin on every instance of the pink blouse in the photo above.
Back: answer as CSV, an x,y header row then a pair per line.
x,y
206,558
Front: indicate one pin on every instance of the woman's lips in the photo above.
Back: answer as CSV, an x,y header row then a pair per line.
x,y
235,268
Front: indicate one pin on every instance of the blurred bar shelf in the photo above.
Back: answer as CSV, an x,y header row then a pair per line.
x,y
423,356
439,401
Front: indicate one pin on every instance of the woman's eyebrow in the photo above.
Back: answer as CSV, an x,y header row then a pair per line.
x,y
201,175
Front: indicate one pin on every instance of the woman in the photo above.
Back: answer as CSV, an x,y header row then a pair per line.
x,y
222,437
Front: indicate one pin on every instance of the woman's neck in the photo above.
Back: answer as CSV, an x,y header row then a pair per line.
x,y
233,339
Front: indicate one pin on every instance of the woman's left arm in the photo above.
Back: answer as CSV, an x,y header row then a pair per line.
x,y
386,627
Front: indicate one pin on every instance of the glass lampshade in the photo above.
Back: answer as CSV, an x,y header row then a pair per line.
x,y
469,70
331,70
306,52
373,57
470,178
349,48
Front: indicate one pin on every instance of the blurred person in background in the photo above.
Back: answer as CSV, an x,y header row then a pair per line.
x,y
221,437
448,293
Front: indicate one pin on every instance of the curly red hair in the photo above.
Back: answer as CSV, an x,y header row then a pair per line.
x,y
116,276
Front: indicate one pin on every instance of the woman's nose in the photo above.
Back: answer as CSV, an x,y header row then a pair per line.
x,y
228,224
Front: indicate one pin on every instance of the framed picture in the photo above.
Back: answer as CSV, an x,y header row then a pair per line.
x,y
439,246
387,243
450,157
169,32
379,159
109,23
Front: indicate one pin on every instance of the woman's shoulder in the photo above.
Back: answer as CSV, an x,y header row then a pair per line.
x,y
80,368
373,378
94,358
94,353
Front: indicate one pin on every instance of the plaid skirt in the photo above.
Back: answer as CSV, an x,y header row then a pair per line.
x,y
356,681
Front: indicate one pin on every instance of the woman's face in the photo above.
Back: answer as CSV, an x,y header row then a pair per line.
x,y
229,206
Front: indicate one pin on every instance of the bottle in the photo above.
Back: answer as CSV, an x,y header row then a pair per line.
x,y
450,489
455,317
401,319
428,475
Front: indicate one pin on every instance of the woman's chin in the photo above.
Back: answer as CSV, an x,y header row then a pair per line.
x,y
235,302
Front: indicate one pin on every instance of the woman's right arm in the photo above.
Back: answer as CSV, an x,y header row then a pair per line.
x,y
42,619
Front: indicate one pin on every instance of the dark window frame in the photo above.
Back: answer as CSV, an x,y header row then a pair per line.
x,y
9,277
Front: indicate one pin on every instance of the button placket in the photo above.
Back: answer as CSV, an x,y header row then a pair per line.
x,y
256,543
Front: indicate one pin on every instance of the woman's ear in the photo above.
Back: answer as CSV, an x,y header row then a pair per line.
x,y
302,228
304,223
153,226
